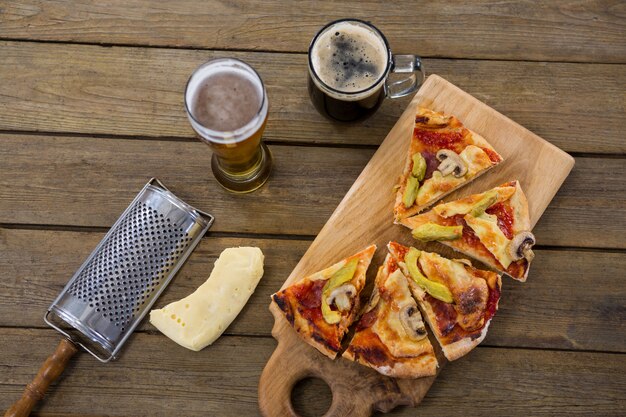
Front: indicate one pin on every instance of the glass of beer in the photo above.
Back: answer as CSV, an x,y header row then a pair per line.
x,y
226,103
352,70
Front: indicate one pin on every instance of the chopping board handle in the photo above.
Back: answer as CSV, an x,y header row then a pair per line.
x,y
51,369
280,376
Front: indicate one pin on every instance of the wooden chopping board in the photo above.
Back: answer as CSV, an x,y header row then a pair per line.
x,y
364,216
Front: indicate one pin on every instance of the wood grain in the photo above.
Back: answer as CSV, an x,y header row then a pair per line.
x,y
99,98
48,374
572,300
157,378
138,91
562,30
89,181
360,220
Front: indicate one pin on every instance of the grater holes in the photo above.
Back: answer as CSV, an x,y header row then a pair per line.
x,y
131,264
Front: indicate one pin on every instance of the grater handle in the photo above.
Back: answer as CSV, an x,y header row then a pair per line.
x,y
52,368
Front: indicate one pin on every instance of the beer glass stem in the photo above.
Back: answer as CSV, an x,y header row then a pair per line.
x,y
405,64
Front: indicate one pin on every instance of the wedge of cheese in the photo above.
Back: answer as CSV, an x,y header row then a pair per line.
x,y
199,319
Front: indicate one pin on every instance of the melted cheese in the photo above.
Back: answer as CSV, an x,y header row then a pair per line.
x,y
465,205
445,271
470,293
486,228
388,326
197,320
328,272
520,211
476,160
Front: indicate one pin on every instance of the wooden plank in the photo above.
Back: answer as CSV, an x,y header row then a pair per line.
x,y
572,300
37,264
138,91
306,184
548,31
89,181
152,378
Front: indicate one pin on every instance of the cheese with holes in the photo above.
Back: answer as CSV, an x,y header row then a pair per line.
x,y
199,319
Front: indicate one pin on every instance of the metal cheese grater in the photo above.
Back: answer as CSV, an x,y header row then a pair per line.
x,y
115,287
119,282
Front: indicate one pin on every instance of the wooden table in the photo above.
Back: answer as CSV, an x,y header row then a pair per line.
x,y
91,108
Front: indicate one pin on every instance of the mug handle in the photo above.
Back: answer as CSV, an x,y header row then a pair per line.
x,y
405,64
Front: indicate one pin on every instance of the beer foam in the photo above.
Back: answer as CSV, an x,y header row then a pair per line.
x,y
349,57
225,101
225,96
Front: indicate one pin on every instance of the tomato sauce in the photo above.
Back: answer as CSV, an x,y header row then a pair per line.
x,y
436,140
310,294
309,297
401,250
494,157
492,302
313,315
444,313
504,213
367,320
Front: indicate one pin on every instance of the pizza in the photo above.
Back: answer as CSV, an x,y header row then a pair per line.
x,y
443,155
492,227
322,306
391,336
457,300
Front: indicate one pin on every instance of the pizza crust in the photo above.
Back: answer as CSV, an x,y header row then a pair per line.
x,y
418,367
461,348
301,326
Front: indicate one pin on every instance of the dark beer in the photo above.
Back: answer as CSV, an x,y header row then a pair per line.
x,y
348,63
227,107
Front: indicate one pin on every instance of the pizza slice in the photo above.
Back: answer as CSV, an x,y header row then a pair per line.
x,y
457,300
390,335
492,227
443,156
320,307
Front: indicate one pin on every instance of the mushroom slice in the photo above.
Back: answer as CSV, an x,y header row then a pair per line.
x,y
451,163
342,296
412,322
521,246
373,302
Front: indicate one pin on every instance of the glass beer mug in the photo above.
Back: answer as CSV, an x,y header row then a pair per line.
x,y
352,70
